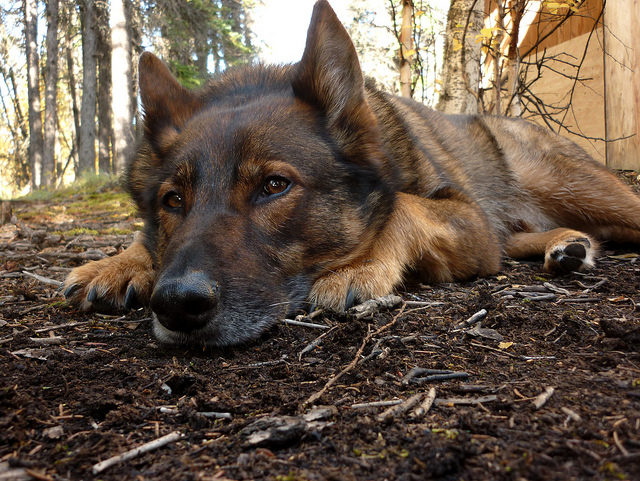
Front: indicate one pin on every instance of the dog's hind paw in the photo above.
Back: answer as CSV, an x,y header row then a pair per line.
x,y
572,254
122,281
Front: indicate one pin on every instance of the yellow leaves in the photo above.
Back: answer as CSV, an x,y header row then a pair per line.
x,y
505,345
555,7
456,44
488,34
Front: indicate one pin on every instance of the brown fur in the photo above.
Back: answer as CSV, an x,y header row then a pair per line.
x,y
277,186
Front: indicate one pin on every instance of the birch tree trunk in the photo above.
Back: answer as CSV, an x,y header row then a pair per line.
x,y
123,102
50,97
406,49
36,140
461,69
87,153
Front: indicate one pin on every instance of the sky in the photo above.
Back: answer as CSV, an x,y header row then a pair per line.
x,y
281,26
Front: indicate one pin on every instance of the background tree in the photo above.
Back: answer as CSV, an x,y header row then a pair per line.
x,y
50,96
123,95
461,72
87,134
36,139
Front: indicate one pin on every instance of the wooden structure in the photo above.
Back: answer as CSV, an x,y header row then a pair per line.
x,y
603,114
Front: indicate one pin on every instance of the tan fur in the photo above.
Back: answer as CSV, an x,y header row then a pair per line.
x,y
113,276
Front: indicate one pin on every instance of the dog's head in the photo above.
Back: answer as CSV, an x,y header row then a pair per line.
x,y
255,186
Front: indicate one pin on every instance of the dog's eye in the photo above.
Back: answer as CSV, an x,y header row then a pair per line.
x,y
172,200
275,185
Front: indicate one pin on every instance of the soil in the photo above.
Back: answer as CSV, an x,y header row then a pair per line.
x,y
546,386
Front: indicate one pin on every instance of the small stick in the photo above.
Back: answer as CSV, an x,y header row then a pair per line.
x,y
47,340
616,440
425,405
305,324
417,371
556,289
477,317
134,453
542,399
579,299
401,408
376,404
440,377
571,413
44,280
315,343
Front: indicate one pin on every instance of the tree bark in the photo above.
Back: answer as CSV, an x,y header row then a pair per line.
x,y
87,154
461,69
406,49
68,15
50,97
123,100
104,89
36,139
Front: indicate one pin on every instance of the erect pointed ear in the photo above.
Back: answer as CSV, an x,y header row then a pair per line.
x,y
167,104
329,78
329,74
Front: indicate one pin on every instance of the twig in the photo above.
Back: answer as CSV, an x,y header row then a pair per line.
x,y
376,404
305,324
44,280
542,399
315,343
616,440
477,317
468,401
401,408
417,371
425,405
134,453
354,362
440,377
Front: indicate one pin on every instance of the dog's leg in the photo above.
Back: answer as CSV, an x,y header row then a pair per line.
x,y
564,250
125,280
442,240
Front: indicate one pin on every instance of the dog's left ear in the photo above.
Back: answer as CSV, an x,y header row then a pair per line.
x,y
329,77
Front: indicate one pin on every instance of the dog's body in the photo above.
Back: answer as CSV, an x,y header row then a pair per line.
x,y
277,186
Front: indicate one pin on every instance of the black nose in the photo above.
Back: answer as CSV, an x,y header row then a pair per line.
x,y
184,303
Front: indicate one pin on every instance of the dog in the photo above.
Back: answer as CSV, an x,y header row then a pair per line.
x,y
278,187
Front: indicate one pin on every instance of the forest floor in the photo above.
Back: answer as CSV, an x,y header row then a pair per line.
x,y
546,386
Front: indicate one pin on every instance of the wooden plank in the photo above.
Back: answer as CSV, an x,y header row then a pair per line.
x,y
622,82
586,115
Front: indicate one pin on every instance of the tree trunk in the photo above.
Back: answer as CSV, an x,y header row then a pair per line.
x,y
50,97
104,89
36,140
72,83
87,154
461,69
123,99
406,49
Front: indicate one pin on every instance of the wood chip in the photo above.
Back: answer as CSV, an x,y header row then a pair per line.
x,y
542,399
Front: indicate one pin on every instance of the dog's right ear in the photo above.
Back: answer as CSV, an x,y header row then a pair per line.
x,y
167,104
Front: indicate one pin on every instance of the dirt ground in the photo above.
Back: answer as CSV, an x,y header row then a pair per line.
x,y
545,386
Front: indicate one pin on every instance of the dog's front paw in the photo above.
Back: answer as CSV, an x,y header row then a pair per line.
x,y
342,288
122,281
572,254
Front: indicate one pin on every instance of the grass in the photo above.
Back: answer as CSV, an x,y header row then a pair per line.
x,y
99,198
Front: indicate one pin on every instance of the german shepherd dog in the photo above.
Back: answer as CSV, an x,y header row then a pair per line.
x,y
278,187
